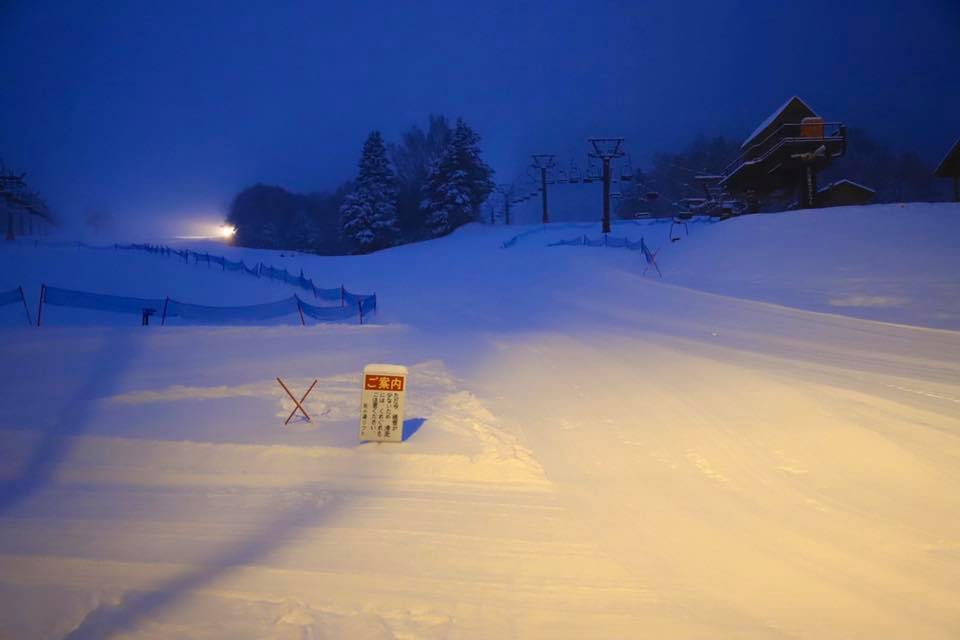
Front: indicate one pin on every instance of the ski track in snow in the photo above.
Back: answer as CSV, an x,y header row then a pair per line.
x,y
590,453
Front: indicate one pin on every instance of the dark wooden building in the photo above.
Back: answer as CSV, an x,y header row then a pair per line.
x,y
784,154
950,168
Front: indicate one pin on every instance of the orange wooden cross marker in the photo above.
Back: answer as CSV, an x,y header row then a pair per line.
x,y
299,404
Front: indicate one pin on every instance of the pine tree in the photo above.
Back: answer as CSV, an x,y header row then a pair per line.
x,y
446,200
369,212
458,184
479,173
413,158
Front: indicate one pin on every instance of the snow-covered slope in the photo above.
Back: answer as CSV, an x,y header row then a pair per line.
x,y
895,263
591,452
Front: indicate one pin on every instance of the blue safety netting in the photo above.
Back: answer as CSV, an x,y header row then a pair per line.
x,y
99,301
167,308
344,303
202,314
584,241
512,242
11,297
330,314
365,304
258,270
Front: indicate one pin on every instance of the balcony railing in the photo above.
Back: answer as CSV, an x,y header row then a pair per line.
x,y
811,131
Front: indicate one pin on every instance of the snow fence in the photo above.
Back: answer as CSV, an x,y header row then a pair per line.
x,y
650,257
168,308
603,241
259,270
350,304
15,296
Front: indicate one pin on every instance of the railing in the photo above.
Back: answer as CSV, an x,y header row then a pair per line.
x,y
787,133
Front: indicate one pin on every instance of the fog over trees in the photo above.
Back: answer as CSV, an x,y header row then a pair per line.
x,y
426,185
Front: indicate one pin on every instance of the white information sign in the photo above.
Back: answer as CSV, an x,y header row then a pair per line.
x,y
381,402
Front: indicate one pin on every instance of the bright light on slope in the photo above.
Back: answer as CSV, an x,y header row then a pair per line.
x,y
227,231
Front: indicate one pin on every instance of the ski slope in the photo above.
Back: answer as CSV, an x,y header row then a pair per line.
x,y
591,452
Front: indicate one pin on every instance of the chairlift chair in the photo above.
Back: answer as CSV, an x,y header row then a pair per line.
x,y
593,173
679,220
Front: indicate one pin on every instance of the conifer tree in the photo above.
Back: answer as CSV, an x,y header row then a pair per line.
x,y
479,173
369,212
458,183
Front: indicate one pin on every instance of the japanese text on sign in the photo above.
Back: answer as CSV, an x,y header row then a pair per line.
x,y
383,383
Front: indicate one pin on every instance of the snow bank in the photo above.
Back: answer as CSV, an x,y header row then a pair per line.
x,y
895,263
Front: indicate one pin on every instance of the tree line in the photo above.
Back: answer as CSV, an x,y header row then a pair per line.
x,y
426,185
434,180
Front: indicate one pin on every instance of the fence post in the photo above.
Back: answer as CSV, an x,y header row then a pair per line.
x,y
360,307
163,318
25,307
43,290
343,301
300,309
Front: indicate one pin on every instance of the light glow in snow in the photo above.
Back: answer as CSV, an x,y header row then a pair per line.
x,y
207,230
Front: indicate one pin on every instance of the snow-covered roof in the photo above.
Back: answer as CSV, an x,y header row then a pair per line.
x,y
950,165
849,183
772,118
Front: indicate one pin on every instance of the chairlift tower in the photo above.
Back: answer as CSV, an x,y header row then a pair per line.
x,y
11,190
544,162
507,191
606,149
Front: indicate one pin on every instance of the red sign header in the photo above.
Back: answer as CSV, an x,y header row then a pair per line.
x,y
384,383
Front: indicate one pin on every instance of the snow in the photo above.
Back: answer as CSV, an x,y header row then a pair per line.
x,y
844,182
761,445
